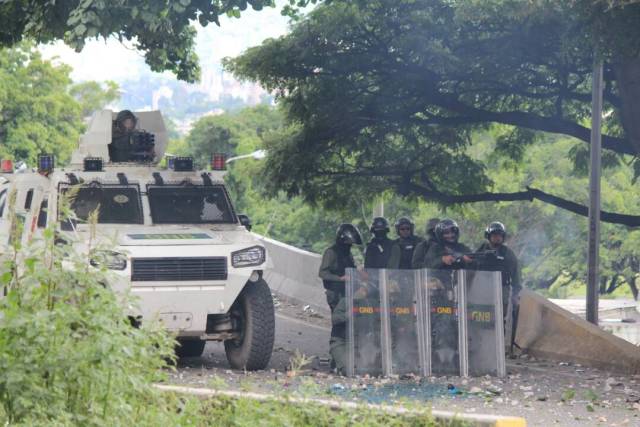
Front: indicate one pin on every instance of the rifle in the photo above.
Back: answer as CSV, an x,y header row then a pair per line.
x,y
489,254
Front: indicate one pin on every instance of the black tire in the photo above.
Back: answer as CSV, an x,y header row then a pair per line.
x,y
190,348
253,313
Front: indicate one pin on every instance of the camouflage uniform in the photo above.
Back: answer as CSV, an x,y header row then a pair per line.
x,y
420,253
335,260
444,329
507,264
408,247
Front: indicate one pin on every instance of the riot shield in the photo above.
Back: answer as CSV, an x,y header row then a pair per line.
x,y
401,346
484,323
442,297
364,327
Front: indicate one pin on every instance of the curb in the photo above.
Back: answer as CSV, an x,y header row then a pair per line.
x,y
478,420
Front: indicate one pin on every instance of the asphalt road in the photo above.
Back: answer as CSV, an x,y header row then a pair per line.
x,y
545,393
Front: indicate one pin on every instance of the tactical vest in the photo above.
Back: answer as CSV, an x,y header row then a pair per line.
x,y
378,253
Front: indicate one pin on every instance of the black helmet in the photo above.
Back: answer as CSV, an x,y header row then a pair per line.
x,y
404,221
495,227
379,223
348,234
431,226
124,115
445,225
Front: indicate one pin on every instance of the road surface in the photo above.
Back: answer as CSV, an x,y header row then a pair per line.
x,y
545,393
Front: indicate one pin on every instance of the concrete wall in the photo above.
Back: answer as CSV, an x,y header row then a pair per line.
x,y
293,273
548,331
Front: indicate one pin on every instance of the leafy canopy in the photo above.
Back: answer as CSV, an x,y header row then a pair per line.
x,y
388,92
41,111
160,29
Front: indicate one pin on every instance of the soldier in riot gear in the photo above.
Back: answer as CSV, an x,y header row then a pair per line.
x,y
335,260
506,262
447,253
407,241
128,143
381,252
421,250
444,256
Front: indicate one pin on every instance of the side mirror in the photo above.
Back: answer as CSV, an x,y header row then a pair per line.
x,y
245,221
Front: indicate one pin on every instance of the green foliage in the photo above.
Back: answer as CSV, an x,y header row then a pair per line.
x,y
386,95
223,133
162,30
67,349
244,411
38,115
92,96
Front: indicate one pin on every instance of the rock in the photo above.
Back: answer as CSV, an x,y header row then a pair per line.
x,y
475,390
542,398
528,394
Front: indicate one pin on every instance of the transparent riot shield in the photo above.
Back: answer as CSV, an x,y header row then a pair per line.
x,y
364,326
402,349
484,323
442,297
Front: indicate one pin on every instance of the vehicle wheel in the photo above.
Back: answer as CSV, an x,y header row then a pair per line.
x,y
190,348
253,317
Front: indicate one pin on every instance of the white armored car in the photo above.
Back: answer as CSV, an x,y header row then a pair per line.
x,y
181,247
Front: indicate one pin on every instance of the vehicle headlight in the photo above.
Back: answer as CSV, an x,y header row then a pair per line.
x,y
109,259
254,255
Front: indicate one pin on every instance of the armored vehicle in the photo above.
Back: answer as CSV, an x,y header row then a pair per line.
x,y
180,246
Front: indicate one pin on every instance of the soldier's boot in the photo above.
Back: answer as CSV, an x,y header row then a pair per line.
x,y
338,351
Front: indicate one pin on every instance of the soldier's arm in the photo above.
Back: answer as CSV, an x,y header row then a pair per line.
x,y
329,259
394,259
433,258
417,261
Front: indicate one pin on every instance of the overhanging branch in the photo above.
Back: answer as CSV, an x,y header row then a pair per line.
x,y
529,195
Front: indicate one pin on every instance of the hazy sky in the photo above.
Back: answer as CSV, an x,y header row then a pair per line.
x,y
111,60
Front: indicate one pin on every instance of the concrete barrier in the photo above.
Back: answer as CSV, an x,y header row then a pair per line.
x,y
293,273
549,331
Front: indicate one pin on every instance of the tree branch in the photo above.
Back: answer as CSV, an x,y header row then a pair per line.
x,y
528,120
529,195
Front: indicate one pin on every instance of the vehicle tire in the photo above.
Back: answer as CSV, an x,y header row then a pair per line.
x,y
253,315
190,348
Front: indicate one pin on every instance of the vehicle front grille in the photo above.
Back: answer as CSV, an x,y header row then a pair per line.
x,y
178,269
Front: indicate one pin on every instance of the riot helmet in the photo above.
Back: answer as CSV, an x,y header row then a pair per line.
x,y
379,227
495,228
404,222
348,234
122,117
431,226
443,227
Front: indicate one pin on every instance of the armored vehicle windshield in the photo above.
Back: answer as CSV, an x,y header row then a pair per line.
x,y
189,204
117,203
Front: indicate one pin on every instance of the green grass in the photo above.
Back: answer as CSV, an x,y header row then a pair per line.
x,y
226,411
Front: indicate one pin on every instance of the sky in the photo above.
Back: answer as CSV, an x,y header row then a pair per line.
x,y
111,60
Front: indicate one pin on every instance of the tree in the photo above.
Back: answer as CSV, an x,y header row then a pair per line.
x,y
223,133
37,113
387,92
160,29
92,96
